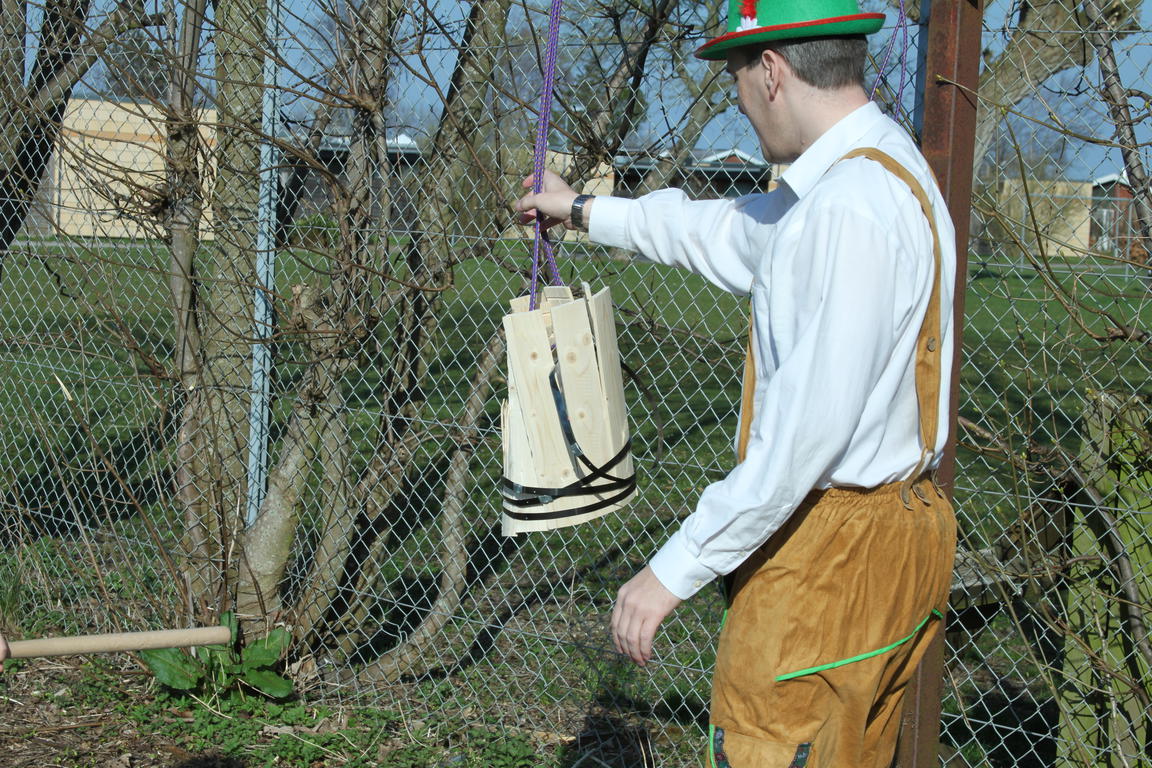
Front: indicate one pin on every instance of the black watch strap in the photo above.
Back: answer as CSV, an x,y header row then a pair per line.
x,y
578,211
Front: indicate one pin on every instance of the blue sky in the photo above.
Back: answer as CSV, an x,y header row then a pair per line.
x,y
1083,113
416,103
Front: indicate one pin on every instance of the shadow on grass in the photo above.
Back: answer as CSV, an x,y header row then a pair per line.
x,y
618,729
210,761
70,484
1012,729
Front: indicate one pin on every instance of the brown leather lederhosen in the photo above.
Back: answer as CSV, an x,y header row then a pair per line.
x,y
828,620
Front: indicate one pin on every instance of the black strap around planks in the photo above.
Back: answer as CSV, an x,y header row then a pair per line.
x,y
528,496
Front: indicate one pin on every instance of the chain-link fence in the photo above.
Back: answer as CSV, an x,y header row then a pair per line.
x,y
1049,659
255,260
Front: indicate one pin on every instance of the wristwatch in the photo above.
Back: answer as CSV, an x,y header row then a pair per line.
x,y
577,215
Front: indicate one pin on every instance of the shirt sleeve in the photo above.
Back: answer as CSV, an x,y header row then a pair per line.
x,y
806,414
667,228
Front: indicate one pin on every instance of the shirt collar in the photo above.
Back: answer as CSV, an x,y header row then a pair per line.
x,y
833,144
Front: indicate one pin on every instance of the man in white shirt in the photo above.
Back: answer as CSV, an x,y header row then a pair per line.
x,y
838,545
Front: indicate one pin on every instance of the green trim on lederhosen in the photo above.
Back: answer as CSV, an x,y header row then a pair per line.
x,y
935,614
800,759
715,761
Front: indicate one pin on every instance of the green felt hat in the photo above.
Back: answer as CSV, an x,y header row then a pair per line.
x,y
758,21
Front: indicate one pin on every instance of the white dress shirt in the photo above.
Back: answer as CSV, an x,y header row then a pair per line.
x,y
838,259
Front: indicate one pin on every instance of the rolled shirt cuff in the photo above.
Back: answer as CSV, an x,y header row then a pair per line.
x,y
608,221
678,570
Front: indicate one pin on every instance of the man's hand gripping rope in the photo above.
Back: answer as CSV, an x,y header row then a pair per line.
x,y
553,204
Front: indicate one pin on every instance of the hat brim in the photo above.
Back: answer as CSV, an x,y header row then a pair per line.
x,y
856,24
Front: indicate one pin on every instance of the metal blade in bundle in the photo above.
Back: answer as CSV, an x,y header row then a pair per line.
x,y
567,452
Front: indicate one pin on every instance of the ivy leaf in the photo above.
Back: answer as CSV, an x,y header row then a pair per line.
x,y
173,668
269,683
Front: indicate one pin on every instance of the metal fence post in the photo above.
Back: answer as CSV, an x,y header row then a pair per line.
x,y
948,137
259,409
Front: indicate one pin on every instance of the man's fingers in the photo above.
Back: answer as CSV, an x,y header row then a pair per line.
x,y
550,181
530,181
634,647
529,211
629,630
630,643
526,213
647,634
641,605
642,636
621,625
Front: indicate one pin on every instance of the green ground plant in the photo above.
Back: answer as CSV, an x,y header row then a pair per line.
x,y
215,670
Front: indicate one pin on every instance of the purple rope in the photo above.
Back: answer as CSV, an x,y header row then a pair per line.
x,y
543,121
901,29
904,53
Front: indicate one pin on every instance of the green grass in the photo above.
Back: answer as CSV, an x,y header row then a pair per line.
x,y
264,734
682,400
1028,367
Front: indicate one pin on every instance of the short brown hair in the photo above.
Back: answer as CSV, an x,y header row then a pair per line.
x,y
822,62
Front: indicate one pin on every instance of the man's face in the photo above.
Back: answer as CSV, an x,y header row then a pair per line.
x,y
756,102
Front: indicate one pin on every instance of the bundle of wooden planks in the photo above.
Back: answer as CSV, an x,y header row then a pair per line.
x,y
567,453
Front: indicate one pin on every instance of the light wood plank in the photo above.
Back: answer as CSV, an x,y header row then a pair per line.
x,y
557,294
611,375
580,378
536,451
545,461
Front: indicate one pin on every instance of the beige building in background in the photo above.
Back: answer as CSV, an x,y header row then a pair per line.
x,y
107,175
1052,213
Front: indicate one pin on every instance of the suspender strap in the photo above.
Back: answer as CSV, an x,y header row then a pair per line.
x,y
928,352
747,387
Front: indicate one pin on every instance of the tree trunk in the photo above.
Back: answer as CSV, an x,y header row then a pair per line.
x,y
1049,38
454,526
215,427
611,121
348,316
185,211
463,122
1116,97
462,196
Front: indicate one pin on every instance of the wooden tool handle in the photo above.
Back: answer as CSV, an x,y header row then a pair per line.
x,y
119,641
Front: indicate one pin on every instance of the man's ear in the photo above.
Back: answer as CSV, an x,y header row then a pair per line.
x,y
773,68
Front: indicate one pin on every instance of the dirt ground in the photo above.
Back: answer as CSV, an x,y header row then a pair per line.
x,y
41,725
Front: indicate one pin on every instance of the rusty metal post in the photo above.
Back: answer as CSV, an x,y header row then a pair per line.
x,y
948,135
